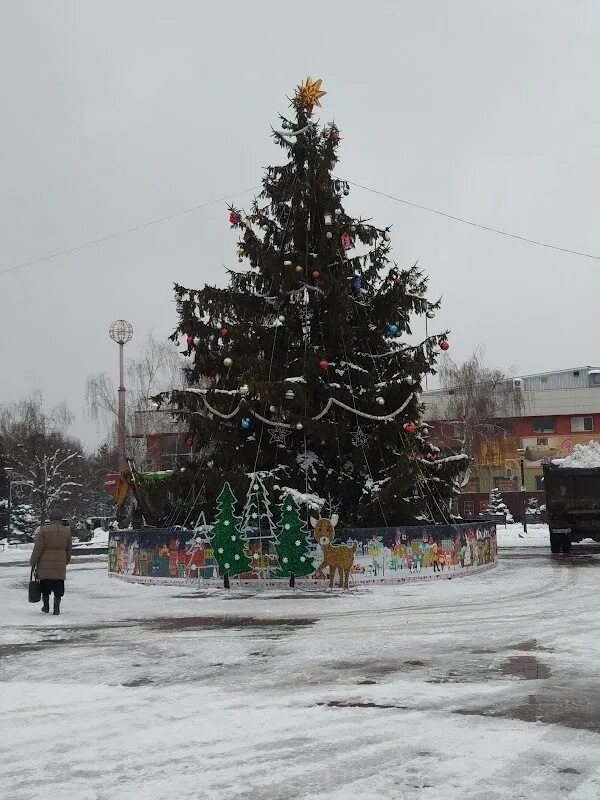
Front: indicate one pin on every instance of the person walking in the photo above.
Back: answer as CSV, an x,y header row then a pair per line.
x,y
51,554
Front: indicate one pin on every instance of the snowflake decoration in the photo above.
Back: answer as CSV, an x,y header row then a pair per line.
x,y
288,508
297,542
255,556
254,515
279,436
220,550
285,560
360,438
236,556
233,538
226,565
287,526
226,522
303,558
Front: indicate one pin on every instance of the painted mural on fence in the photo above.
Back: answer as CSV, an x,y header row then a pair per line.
x,y
156,553
428,549
382,553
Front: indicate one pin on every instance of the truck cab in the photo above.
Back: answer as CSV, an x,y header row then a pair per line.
x,y
573,504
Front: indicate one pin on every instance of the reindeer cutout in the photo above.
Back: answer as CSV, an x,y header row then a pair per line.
x,y
338,557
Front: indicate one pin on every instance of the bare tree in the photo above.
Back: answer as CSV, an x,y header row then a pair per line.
x,y
157,369
49,477
45,459
481,401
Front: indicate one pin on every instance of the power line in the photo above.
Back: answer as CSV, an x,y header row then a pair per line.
x,y
193,209
116,235
475,224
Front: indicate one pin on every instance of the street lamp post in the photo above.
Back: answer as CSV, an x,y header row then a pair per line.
x,y
121,332
8,472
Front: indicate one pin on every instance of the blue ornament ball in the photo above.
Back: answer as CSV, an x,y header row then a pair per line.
x,y
357,282
393,329
179,308
246,424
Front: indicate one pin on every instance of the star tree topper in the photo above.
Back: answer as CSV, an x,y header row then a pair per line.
x,y
309,93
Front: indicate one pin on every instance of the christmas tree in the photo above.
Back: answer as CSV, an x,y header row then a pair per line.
x,y
258,527
497,507
533,507
300,368
293,544
227,541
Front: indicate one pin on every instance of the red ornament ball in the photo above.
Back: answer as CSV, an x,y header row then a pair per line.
x,y
323,363
224,331
213,380
234,217
190,340
432,457
316,274
189,442
410,428
444,346
335,137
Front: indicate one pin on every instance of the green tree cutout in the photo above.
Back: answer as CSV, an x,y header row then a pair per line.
x,y
227,541
292,545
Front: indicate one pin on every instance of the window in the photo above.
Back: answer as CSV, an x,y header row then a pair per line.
x,y
544,379
543,425
539,483
542,442
575,373
582,424
469,508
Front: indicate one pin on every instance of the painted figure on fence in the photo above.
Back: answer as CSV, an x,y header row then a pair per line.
x,y
337,557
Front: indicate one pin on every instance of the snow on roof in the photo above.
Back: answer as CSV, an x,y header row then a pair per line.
x,y
584,456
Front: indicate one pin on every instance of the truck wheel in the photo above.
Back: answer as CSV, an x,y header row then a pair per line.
x,y
566,544
555,542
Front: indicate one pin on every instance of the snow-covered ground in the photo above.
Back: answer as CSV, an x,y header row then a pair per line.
x,y
515,536
483,688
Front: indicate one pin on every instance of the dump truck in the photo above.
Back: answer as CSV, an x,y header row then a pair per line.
x,y
573,505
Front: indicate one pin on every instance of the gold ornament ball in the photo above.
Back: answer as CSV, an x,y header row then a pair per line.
x,y
298,268
227,362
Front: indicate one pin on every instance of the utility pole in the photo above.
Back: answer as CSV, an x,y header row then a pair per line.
x,y
121,332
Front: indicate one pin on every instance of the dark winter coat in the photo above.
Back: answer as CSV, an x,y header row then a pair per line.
x,y
52,551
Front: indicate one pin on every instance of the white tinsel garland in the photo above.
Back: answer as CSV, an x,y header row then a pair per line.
x,y
332,401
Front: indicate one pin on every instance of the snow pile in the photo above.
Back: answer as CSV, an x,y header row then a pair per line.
x,y
99,539
584,456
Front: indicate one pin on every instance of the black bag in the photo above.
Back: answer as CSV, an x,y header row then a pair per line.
x,y
35,590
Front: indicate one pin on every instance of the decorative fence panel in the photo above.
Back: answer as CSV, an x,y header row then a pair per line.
x,y
381,556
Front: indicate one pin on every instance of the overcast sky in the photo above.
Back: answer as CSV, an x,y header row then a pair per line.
x,y
115,113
